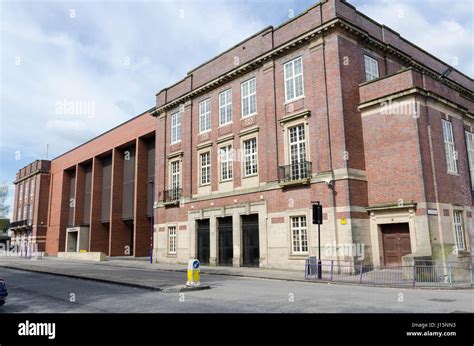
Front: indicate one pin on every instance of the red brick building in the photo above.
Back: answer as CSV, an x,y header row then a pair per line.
x,y
329,106
30,208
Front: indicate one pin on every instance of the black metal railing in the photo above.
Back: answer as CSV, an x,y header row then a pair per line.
x,y
295,171
426,274
20,223
172,195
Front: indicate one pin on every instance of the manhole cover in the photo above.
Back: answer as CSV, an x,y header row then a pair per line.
x,y
441,300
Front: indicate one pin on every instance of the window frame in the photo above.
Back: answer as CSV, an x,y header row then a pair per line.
x,y
30,214
470,154
20,202
368,65
175,127
18,212
293,79
27,190
225,107
300,240
174,174
249,96
172,240
449,143
459,236
299,142
205,114
20,193
32,187
250,158
207,167
229,162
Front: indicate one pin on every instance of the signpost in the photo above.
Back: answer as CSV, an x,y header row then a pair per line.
x,y
318,220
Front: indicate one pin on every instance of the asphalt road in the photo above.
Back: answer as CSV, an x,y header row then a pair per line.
x,y
35,292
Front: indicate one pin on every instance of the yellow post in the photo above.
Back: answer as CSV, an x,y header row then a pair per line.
x,y
193,273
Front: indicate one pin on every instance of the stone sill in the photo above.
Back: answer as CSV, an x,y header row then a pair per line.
x,y
168,204
298,257
295,182
463,253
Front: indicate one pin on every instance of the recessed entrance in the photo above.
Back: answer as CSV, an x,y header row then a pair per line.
x,y
77,239
250,240
396,243
129,225
72,241
226,252
203,241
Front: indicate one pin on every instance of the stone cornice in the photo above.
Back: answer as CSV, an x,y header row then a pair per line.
x,y
174,154
337,22
305,113
238,71
29,175
416,91
318,178
376,207
387,48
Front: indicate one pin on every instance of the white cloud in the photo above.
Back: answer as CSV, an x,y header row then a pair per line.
x,y
47,57
113,55
441,29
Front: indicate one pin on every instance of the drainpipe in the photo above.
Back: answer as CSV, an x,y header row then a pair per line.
x,y
152,220
438,206
275,115
333,189
191,159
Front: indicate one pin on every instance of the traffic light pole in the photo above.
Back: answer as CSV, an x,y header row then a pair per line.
x,y
318,219
320,269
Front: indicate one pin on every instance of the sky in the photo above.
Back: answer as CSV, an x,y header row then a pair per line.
x,y
70,70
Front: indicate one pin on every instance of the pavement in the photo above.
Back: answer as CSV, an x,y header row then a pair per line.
x,y
139,272
34,292
157,276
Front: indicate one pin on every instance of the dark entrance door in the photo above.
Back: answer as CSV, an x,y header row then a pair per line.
x,y
226,251
203,241
132,236
396,243
251,248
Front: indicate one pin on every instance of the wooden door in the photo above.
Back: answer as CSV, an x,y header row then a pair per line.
x,y
250,239
203,241
226,248
396,243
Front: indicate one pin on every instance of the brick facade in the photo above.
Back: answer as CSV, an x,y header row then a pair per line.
x,y
370,164
33,181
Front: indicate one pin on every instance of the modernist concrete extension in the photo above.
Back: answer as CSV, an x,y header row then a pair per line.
x,y
331,107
